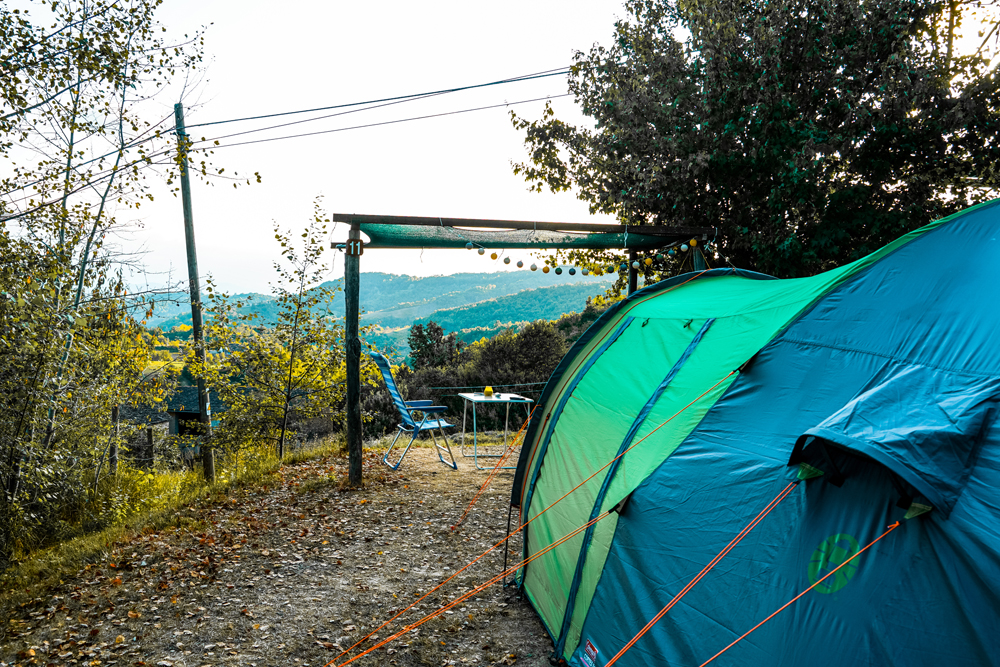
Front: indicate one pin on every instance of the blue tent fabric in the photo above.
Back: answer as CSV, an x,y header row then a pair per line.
x,y
934,443
898,369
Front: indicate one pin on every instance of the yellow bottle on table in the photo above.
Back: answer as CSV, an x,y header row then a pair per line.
x,y
488,392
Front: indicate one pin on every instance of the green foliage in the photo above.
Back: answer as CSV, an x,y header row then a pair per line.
x,y
75,149
429,347
271,375
811,132
67,364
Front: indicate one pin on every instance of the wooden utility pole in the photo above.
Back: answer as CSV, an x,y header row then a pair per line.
x,y
204,404
352,281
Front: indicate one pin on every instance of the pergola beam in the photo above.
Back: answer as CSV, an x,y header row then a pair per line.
x,y
630,238
647,230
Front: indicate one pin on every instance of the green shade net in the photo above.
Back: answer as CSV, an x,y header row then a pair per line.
x,y
430,236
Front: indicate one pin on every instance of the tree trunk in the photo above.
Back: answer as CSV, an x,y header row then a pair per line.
x,y
113,449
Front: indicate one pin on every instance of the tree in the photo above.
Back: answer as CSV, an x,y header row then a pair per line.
x,y
271,371
430,347
75,148
810,132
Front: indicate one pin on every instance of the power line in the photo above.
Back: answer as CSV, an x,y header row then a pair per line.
x,y
378,104
388,122
526,77
332,115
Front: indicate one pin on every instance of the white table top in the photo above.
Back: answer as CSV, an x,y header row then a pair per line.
x,y
479,397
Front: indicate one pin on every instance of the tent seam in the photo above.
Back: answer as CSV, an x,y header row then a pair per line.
x,y
639,420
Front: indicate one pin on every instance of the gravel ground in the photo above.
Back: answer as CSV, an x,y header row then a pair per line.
x,y
292,574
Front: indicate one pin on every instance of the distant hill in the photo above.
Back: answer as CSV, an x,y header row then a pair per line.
x,y
544,303
394,301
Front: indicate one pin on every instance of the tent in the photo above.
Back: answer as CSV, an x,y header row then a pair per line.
x,y
689,406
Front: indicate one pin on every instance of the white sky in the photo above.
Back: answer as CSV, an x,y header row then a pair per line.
x,y
266,57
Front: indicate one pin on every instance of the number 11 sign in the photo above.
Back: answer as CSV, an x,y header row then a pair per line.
x,y
355,247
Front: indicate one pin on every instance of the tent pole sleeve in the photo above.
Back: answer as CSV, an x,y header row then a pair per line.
x,y
626,444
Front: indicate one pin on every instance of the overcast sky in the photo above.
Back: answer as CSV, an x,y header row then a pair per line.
x,y
268,57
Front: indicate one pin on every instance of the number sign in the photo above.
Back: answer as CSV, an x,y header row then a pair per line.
x,y
355,247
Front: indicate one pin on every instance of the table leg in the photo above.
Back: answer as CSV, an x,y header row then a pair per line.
x,y
465,412
506,421
475,438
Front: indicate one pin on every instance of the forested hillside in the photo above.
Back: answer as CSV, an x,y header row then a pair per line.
x,y
480,304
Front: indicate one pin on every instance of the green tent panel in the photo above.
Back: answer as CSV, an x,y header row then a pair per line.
x,y
637,385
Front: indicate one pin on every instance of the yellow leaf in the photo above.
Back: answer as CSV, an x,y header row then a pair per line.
x,y
119,639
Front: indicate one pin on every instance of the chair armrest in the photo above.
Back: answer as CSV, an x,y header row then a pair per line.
x,y
431,409
417,404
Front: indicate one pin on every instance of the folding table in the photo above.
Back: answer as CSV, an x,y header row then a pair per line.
x,y
480,398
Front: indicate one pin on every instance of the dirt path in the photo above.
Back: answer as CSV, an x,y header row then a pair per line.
x,y
289,575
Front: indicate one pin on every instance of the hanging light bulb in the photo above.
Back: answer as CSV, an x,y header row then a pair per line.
x,y
648,261
520,264
635,264
506,260
482,251
545,269
534,268
572,271
585,272
558,270
684,247
493,255
468,246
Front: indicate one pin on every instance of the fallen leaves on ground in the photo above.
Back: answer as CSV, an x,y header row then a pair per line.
x,y
295,573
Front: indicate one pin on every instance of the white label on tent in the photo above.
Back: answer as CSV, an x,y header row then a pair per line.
x,y
589,654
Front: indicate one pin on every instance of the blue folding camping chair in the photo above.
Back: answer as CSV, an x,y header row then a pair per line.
x,y
409,422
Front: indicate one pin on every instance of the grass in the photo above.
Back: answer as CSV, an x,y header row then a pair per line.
x,y
172,491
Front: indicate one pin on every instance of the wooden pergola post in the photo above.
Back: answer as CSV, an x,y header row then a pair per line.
x,y
352,345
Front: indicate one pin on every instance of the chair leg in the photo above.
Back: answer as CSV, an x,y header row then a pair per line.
x,y
385,458
447,448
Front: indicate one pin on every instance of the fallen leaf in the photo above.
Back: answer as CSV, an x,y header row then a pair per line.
x,y
119,639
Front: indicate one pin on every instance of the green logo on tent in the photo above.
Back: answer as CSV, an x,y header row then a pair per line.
x,y
832,552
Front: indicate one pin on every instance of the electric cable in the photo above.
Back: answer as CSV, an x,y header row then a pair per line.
x,y
388,122
516,79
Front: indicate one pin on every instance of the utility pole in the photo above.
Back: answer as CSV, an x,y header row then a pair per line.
x,y
352,280
204,405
